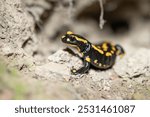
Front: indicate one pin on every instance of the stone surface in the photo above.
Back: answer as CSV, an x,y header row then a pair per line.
x,y
138,64
30,33
16,28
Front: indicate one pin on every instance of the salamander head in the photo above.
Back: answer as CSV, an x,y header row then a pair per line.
x,y
73,39
70,39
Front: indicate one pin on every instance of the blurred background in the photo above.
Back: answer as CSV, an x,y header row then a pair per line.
x,y
126,21
30,31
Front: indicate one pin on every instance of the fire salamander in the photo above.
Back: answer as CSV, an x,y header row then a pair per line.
x,y
102,56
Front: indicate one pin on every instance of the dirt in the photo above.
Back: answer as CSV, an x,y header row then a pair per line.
x,y
34,60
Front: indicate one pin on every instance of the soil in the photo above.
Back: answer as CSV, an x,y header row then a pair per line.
x,y
35,64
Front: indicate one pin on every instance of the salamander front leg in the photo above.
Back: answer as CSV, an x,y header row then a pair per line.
x,y
82,70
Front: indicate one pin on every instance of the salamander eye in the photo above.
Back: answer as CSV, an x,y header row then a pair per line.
x,y
68,39
72,40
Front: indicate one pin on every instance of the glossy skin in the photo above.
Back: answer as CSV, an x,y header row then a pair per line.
x,y
102,56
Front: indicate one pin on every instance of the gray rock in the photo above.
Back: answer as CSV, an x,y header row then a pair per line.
x,y
52,71
135,65
60,57
16,28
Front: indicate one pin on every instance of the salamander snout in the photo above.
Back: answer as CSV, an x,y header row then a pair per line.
x,y
69,39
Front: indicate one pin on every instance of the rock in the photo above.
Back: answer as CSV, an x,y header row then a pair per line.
x,y
43,77
64,57
17,38
52,71
98,75
134,66
58,90
14,87
59,66
16,28
60,57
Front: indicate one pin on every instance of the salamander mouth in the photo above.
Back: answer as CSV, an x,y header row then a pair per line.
x,y
67,41
71,45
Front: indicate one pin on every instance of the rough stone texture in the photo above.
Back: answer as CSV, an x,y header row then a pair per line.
x,y
17,38
14,87
30,33
100,84
16,28
138,64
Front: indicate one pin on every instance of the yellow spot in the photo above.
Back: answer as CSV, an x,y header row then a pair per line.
x,y
80,39
108,54
95,61
98,47
88,59
100,64
105,49
104,46
63,36
113,48
112,51
99,50
69,32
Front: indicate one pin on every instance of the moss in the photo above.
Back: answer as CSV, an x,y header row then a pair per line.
x,y
2,69
11,82
14,73
14,86
19,91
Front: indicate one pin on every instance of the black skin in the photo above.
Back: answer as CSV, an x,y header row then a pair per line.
x,y
93,55
82,70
